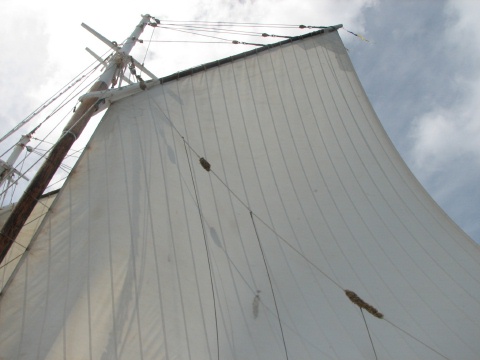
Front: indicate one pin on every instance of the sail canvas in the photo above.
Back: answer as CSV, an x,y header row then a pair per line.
x,y
300,200
22,241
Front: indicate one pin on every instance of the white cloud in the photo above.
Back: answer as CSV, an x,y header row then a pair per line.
x,y
445,154
22,64
447,133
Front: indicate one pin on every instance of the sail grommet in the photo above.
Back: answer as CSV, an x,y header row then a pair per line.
x,y
205,164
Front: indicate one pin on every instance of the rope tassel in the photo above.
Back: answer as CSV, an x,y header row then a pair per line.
x,y
362,304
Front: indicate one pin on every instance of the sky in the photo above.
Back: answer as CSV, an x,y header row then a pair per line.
x,y
419,68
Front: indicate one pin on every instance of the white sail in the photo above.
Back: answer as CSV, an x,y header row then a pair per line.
x,y
23,239
147,255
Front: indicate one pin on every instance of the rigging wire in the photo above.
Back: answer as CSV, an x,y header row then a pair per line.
x,y
14,241
193,33
206,248
59,93
52,130
6,151
11,260
12,183
56,182
148,47
221,31
369,335
271,285
67,100
78,81
239,24
417,339
211,36
189,41
64,133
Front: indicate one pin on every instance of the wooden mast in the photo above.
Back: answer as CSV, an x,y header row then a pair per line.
x,y
72,131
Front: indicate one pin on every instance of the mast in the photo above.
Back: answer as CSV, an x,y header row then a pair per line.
x,y
70,134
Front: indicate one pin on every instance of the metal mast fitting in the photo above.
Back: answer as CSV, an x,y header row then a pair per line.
x,y
6,167
72,131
